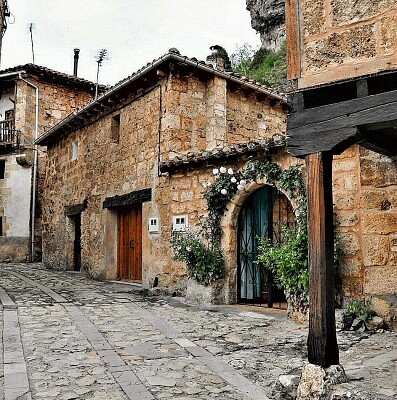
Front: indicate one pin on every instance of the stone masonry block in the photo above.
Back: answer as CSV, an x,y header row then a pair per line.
x,y
350,267
381,307
347,218
382,223
345,200
380,280
348,11
389,33
314,17
349,244
339,48
345,165
378,172
375,250
373,199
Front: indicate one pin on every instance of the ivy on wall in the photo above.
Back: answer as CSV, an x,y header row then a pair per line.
x,y
201,251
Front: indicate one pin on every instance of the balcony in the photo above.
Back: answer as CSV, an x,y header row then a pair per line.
x,y
9,136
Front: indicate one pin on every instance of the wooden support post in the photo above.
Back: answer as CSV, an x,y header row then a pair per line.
x,y
322,345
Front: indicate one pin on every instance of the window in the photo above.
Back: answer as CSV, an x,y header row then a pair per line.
x,y
2,169
180,223
154,225
115,128
1,226
75,150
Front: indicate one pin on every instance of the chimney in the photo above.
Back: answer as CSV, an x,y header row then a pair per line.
x,y
215,58
76,61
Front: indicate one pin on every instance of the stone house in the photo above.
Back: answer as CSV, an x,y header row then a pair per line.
x,y
128,169
342,60
32,98
136,160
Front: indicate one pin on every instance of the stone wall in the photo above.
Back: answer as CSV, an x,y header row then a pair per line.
x,y
203,115
196,115
365,197
252,119
379,229
339,39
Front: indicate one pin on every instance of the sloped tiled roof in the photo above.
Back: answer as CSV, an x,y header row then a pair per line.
x,y
192,159
50,74
238,78
172,55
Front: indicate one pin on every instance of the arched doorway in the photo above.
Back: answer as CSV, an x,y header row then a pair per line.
x,y
263,214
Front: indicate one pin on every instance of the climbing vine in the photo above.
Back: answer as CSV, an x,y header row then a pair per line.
x,y
202,250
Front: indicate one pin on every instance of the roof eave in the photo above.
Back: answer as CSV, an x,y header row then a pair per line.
x,y
45,138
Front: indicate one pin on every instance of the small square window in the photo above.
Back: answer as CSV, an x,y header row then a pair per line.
x,y
180,223
2,169
75,150
154,225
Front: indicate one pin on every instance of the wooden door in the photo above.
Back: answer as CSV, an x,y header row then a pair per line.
x,y
130,243
77,242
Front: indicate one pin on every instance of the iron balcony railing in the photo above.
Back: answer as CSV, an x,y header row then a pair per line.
x,y
9,136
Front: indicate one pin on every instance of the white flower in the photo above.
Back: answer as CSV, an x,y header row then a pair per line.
x,y
233,180
230,171
240,187
222,170
188,248
204,185
215,171
243,182
224,191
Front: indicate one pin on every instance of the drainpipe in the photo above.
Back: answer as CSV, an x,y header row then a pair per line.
x,y
35,162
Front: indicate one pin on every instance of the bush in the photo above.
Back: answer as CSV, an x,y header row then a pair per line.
x,y
205,263
360,312
288,261
266,66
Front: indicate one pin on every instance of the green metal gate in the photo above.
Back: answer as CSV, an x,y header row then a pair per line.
x,y
262,215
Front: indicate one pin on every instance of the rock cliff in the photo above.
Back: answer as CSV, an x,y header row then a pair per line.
x,y
268,18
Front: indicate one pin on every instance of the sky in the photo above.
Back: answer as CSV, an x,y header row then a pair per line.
x,y
133,31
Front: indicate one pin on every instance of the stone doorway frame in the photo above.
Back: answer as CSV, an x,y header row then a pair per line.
x,y
229,241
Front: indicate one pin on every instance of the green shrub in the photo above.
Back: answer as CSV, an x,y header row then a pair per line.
x,y
288,261
266,66
204,262
361,312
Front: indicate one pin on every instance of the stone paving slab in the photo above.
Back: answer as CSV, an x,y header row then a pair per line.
x,y
93,340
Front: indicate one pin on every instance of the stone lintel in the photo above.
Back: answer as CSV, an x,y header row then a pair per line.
x,y
75,208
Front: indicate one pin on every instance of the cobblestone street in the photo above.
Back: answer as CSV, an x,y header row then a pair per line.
x,y
67,337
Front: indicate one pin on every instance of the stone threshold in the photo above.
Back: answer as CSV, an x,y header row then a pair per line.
x,y
134,284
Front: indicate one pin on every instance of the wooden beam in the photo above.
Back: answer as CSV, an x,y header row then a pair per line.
x,y
344,112
322,344
383,141
301,144
293,39
362,88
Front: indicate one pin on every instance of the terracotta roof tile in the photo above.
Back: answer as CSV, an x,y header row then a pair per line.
x,y
50,73
219,154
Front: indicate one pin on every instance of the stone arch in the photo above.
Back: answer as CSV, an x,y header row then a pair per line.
x,y
229,225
